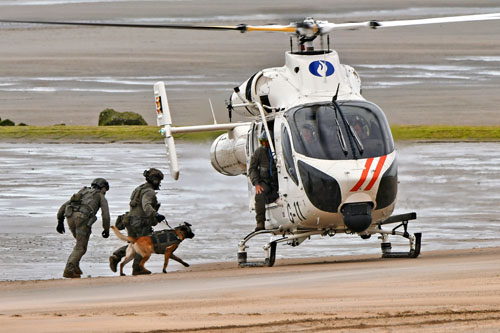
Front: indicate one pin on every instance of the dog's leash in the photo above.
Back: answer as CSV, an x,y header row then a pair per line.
x,y
168,225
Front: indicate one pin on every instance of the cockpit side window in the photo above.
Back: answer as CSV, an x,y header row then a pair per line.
x,y
288,155
372,130
315,132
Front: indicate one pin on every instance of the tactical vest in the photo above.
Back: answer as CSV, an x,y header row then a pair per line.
x,y
136,199
122,221
263,168
163,239
84,201
136,196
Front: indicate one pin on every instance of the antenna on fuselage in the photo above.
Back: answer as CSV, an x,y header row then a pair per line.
x,y
334,98
212,109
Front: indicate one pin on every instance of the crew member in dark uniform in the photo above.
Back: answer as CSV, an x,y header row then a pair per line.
x,y
80,212
264,176
143,216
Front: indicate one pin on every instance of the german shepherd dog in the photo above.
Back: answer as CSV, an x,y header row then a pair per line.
x,y
164,241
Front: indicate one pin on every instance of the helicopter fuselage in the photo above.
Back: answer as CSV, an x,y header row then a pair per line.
x,y
333,149
320,186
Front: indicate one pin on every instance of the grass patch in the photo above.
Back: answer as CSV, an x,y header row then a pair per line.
x,y
446,133
60,133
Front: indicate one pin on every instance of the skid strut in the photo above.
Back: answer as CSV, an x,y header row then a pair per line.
x,y
270,250
268,261
415,239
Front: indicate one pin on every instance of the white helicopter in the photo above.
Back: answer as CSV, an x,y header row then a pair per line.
x,y
334,151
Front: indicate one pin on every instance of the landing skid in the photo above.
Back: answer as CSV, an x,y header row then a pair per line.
x,y
270,250
415,239
299,236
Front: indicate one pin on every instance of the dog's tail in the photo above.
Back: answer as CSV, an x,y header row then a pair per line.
x,y
123,237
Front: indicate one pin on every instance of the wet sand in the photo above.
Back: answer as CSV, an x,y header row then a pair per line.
x,y
45,175
52,75
442,291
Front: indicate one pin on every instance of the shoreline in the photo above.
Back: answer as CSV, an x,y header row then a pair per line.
x,y
219,268
150,134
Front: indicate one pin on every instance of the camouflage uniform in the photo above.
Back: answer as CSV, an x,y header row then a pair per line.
x,y
142,217
80,212
262,171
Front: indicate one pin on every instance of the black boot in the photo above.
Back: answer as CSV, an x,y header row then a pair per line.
x,y
260,226
136,269
140,272
113,262
70,272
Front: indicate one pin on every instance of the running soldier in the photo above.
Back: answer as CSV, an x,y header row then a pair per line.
x,y
80,212
143,216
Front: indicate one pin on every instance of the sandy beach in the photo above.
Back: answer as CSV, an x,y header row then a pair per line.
x,y
442,291
444,74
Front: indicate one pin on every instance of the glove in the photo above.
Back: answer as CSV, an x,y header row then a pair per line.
x,y
60,227
105,233
159,217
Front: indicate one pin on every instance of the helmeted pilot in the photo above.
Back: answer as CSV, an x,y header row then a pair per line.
x,y
143,216
80,212
264,176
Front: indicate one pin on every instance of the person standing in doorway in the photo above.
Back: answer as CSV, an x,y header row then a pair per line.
x,y
264,176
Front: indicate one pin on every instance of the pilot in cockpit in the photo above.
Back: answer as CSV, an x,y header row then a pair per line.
x,y
361,127
308,134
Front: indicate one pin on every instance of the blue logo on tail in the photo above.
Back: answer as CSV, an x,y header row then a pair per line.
x,y
321,68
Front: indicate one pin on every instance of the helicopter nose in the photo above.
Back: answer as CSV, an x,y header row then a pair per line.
x,y
357,216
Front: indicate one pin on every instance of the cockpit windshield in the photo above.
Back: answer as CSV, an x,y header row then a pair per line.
x,y
318,130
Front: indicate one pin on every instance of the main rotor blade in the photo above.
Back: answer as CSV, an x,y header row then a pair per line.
x,y
240,27
277,28
324,26
449,19
327,27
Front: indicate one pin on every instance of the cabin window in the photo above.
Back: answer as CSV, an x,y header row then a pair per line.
x,y
318,131
288,155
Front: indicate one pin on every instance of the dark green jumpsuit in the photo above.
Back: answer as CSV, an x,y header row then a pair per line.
x,y
262,171
143,209
80,216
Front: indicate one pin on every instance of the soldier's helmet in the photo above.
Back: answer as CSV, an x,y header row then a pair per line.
x,y
152,174
100,183
263,136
